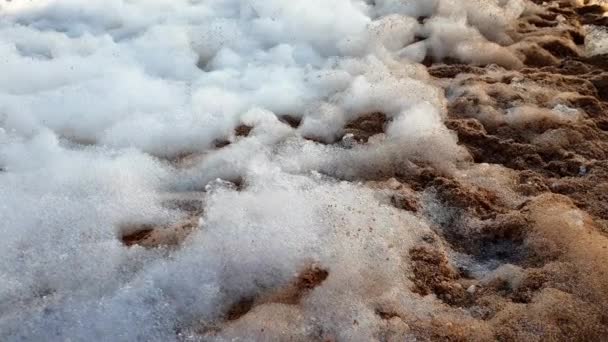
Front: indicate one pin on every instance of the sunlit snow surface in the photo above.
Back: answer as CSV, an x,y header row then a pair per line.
x,y
97,96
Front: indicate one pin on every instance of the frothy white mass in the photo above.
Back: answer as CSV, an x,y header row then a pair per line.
x,y
96,96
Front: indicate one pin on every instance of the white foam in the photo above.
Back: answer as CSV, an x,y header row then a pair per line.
x,y
92,93
596,40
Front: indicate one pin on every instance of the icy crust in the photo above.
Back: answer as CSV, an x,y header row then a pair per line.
x,y
282,170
